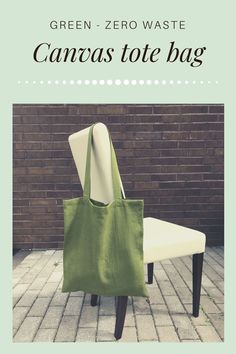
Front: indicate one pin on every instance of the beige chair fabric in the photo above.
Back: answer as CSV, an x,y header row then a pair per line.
x,y
162,240
101,181
165,240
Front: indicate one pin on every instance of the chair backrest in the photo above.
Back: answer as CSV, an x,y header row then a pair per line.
x,y
101,175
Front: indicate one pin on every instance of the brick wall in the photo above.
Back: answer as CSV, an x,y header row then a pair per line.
x,y
169,155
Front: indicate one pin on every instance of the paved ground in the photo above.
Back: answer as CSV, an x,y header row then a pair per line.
x,y
41,313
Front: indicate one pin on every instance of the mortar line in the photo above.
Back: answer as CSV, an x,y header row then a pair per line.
x,y
189,287
135,319
61,317
212,267
30,307
169,313
79,317
149,304
98,312
212,280
29,268
190,317
48,304
218,253
41,270
214,257
205,288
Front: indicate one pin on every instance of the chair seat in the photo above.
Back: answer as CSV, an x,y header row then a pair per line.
x,y
165,240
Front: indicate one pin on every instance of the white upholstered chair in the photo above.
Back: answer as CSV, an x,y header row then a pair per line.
x,y
162,240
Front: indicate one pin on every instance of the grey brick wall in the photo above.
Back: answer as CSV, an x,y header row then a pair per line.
x,y
169,155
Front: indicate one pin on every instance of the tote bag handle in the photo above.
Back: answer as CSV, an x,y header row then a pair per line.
x,y
114,167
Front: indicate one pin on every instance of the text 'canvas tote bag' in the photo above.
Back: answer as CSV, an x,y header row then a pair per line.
x,y
103,246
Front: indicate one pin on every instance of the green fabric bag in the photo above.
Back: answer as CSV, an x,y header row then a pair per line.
x,y
103,246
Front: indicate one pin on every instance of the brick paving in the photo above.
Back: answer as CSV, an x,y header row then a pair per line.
x,y
41,313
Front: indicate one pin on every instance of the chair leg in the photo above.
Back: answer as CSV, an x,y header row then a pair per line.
x,y
120,315
197,280
150,272
94,300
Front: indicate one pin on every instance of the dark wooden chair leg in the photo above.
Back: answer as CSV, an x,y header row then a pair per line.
x,y
150,272
94,300
197,280
120,315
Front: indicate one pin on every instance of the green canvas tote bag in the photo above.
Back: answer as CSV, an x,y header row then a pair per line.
x,y
103,244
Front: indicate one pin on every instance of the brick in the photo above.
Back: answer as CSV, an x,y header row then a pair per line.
x,y
201,320
77,293
86,335
160,274
161,315
185,295
45,335
167,334
28,278
107,305
19,314
129,335
40,109
174,276
39,307
155,295
216,109
166,287
139,110
172,143
55,277
48,290
221,307
106,327
167,109
217,320
84,109
208,305
185,273
215,294
73,306
59,299
89,316
146,328
184,327
141,306
174,305
38,283
28,298
129,317
52,317
194,109
18,291
208,334
27,330
111,109
190,341
206,282
67,329
164,319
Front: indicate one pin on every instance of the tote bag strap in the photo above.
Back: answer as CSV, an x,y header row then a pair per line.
x,y
114,167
